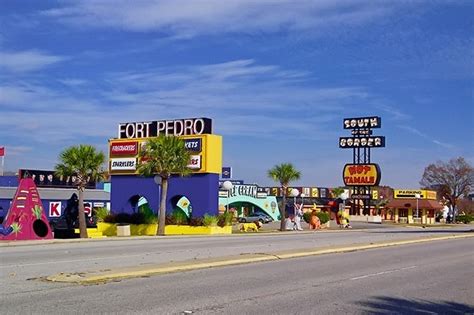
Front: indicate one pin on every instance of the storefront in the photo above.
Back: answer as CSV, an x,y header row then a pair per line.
x,y
248,199
412,206
199,191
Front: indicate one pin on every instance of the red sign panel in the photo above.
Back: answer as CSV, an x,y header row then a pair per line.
x,y
2,151
123,148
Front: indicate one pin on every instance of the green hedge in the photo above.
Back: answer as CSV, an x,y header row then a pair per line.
x,y
465,218
323,216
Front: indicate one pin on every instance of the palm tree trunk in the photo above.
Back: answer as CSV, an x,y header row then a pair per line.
x,y
162,215
283,211
80,213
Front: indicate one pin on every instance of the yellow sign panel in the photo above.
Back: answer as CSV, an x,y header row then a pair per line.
x,y
411,193
431,194
314,192
375,194
361,175
206,154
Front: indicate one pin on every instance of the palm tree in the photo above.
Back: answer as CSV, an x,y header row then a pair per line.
x,y
84,163
284,174
337,192
164,156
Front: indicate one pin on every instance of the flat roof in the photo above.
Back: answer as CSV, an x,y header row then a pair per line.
x,y
58,193
411,203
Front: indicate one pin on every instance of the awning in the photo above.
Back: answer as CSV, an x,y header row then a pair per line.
x,y
411,203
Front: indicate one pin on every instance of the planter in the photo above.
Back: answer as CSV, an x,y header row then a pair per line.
x,y
196,230
111,229
143,229
123,230
107,229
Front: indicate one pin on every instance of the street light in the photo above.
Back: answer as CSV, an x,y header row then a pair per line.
x,y
157,179
227,185
417,196
294,193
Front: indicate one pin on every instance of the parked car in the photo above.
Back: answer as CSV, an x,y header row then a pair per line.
x,y
262,217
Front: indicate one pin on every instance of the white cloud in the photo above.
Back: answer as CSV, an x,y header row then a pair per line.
x,y
395,113
184,18
243,98
425,136
29,60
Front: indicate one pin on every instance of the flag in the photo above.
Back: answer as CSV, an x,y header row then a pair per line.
x,y
2,151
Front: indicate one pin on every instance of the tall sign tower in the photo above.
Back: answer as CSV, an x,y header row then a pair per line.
x,y
361,175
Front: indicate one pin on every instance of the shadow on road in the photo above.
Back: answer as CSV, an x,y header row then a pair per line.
x,y
390,305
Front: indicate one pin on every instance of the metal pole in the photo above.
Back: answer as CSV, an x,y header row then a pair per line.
x,y
3,161
417,208
227,205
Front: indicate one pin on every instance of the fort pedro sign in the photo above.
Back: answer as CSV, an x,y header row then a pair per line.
x,y
205,148
177,127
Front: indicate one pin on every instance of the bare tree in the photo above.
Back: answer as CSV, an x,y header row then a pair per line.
x,y
452,180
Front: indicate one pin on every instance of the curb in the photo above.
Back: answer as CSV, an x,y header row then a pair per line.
x,y
86,278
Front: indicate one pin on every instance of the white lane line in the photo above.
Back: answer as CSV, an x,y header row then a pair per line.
x,y
382,273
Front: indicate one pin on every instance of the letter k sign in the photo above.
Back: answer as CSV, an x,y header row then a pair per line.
x,y
55,209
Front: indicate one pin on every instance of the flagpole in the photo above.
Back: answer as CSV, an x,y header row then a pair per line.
x,y
3,163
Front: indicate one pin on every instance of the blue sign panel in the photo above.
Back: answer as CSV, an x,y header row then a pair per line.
x,y
226,172
194,145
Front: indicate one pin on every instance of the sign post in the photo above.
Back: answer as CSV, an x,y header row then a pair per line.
x,y
2,154
361,175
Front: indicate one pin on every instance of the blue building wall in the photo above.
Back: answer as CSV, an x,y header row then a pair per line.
x,y
200,189
8,181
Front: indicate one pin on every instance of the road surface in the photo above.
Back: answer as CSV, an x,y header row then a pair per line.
x,y
425,276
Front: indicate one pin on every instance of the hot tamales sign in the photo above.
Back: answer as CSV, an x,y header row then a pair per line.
x,y
361,174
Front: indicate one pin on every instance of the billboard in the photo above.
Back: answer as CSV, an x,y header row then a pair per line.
x,y
362,122
361,174
362,142
206,154
412,193
176,127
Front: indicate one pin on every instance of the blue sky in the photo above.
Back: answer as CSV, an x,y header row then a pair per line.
x,y
276,77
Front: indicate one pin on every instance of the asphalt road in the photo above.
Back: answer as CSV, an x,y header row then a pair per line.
x,y
434,277
37,259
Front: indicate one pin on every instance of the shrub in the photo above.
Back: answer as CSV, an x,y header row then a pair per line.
x,y
465,218
323,217
170,220
225,219
101,214
120,218
180,218
307,216
110,218
148,216
209,220
196,221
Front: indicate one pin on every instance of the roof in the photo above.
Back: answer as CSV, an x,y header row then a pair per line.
x,y
59,193
411,203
